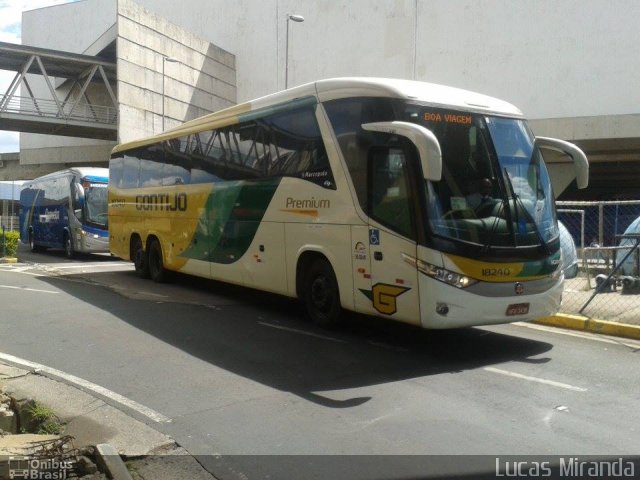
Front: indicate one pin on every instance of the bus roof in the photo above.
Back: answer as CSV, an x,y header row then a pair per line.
x,y
335,88
97,174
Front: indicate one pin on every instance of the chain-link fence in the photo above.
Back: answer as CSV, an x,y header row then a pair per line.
x,y
605,280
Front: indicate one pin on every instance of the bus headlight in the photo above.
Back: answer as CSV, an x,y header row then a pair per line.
x,y
443,275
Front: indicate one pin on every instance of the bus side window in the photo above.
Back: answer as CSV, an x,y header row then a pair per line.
x,y
131,170
347,116
390,201
176,169
207,162
151,162
116,168
296,148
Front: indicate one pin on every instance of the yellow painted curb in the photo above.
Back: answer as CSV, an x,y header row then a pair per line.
x,y
8,260
576,322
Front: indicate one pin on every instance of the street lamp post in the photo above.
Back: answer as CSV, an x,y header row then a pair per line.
x,y
298,19
170,60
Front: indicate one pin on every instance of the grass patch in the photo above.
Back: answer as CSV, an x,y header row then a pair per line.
x,y
45,420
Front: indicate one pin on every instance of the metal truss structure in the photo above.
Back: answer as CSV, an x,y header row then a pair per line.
x,y
67,110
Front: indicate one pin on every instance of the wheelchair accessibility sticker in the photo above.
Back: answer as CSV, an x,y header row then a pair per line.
x,y
374,236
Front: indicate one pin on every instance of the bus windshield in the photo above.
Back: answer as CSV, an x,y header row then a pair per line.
x,y
95,198
495,188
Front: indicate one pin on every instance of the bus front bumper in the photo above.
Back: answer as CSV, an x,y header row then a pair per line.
x,y
444,306
91,243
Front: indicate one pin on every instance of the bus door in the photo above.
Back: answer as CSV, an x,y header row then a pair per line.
x,y
53,211
391,237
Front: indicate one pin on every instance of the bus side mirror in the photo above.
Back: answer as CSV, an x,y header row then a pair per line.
x,y
424,140
580,162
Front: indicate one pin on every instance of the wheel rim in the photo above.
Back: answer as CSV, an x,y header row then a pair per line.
x,y
68,247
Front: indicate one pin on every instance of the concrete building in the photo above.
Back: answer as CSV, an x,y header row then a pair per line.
x,y
570,65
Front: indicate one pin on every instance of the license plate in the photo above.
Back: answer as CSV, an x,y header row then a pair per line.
x,y
517,309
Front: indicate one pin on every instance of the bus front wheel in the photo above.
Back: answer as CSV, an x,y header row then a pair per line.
x,y
139,257
156,264
68,246
321,294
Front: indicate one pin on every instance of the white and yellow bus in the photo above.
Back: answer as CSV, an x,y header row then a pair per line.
x,y
418,202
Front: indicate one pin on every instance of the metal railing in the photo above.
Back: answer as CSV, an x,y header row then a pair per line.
x,y
10,222
79,111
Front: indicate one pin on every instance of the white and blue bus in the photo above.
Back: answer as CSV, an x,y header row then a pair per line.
x,y
66,209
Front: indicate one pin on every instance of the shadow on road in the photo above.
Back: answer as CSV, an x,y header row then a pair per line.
x,y
264,338
56,256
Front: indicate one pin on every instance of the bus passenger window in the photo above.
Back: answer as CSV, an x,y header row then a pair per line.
x,y
116,168
131,170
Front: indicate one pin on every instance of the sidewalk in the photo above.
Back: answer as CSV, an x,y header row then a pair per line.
x,y
149,454
592,325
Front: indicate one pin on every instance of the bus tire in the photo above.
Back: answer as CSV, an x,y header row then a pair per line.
x,y
139,258
68,246
157,272
321,295
32,243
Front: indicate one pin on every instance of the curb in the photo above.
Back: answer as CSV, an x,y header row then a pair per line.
x,y
585,324
8,260
111,461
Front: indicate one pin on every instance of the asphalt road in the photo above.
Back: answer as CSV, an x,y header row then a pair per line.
x,y
255,391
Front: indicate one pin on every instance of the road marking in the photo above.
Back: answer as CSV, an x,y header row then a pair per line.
x,y
586,335
86,385
33,274
303,332
27,289
535,379
90,265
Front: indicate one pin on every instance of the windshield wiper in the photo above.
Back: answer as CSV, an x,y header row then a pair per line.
x,y
518,201
487,245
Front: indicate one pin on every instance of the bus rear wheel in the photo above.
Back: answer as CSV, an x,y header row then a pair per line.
x,y
139,257
321,294
157,272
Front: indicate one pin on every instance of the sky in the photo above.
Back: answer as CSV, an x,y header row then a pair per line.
x,y
10,31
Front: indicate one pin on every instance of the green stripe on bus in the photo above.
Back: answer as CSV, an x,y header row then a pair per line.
x,y
542,267
231,217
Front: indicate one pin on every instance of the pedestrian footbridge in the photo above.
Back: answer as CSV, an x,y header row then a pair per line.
x,y
74,94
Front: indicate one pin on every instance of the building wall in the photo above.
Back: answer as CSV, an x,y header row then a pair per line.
x,y
570,65
201,80
12,169
552,58
72,27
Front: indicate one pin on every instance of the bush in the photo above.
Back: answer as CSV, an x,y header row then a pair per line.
x,y
12,239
